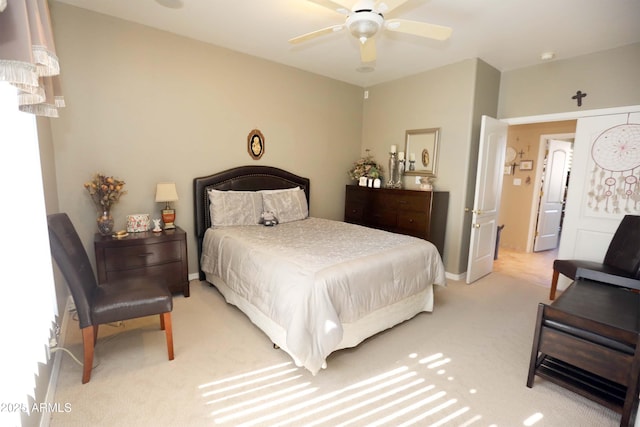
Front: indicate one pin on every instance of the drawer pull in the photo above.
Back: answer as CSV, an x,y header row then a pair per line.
x,y
411,221
403,202
145,254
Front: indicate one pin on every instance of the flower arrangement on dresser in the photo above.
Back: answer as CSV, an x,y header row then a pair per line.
x,y
366,167
105,191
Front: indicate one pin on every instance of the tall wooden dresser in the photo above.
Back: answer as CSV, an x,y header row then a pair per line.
x,y
421,214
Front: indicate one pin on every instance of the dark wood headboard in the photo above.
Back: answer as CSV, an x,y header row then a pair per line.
x,y
242,178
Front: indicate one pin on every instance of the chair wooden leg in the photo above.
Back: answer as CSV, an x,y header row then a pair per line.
x,y
554,285
88,340
165,323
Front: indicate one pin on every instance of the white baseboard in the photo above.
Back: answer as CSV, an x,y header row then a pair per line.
x,y
460,276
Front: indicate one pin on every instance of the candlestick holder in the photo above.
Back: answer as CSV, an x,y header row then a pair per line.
x,y
401,166
393,170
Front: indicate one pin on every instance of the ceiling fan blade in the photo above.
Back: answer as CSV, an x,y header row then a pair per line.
x,y
386,6
335,5
368,51
422,29
317,33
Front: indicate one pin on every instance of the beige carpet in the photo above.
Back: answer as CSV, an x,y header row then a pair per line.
x,y
465,364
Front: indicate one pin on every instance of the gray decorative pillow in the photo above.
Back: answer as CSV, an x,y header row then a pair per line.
x,y
235,207
287,205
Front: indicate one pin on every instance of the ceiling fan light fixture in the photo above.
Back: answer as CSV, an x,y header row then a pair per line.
x,y
364,25
546,56
171,4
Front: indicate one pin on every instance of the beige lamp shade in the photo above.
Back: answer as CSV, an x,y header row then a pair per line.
x,y
166,192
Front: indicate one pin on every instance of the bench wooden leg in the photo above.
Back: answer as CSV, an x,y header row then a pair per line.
x,y
533,362
554,285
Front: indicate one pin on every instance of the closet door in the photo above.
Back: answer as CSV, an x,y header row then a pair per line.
x,y
604,185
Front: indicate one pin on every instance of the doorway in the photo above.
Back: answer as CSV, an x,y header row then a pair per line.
x,y
522,201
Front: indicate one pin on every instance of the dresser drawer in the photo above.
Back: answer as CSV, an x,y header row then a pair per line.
x,y
382,218
416,223
418,202
128,257
353,212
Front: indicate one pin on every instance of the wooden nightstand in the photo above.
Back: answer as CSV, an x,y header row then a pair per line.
x,y
147,253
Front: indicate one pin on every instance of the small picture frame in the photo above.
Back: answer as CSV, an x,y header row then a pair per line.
x,y
526,165
255,144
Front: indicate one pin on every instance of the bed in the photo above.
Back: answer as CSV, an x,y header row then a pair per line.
x,y
312,285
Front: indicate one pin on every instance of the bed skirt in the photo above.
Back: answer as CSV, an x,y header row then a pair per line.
x,y
353,333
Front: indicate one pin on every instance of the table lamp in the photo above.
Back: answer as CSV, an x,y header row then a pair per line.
x,y
166,192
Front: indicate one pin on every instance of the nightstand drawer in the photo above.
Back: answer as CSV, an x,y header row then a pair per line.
x,y
138,256
168,272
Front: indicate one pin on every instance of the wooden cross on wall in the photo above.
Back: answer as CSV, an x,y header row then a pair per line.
x,y
578,97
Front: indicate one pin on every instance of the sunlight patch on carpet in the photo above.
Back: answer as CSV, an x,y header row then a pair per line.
x,y
413,392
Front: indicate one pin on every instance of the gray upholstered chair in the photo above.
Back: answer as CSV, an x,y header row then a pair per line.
x,y
106,303
622,257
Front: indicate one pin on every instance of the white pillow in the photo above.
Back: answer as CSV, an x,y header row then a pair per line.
x,y
282,190
235,207
287,205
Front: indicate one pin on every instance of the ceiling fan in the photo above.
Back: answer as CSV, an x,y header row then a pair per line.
x,y
366,18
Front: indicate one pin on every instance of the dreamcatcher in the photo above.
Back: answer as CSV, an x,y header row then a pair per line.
x,y
615,177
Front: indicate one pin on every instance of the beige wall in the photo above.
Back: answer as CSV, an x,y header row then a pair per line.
x,y
610,79
451,98
148,106
517,202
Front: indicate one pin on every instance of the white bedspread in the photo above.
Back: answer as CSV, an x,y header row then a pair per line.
x,y
310,276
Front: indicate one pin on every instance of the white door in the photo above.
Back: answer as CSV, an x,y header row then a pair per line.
x,y
590,219
486,204
552,195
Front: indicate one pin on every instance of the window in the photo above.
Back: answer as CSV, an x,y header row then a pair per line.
x,y
28,292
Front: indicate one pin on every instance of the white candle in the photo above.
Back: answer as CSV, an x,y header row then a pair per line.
x,y
393,148
401,155
412,157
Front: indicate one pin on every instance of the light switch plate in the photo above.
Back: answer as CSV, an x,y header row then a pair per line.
x,y
517,181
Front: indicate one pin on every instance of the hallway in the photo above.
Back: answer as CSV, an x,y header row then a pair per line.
x,y
535,267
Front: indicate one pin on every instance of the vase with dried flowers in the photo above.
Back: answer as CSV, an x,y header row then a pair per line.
x,y
366,166
105,191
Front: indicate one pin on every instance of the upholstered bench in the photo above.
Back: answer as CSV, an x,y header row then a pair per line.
x,y
587,341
